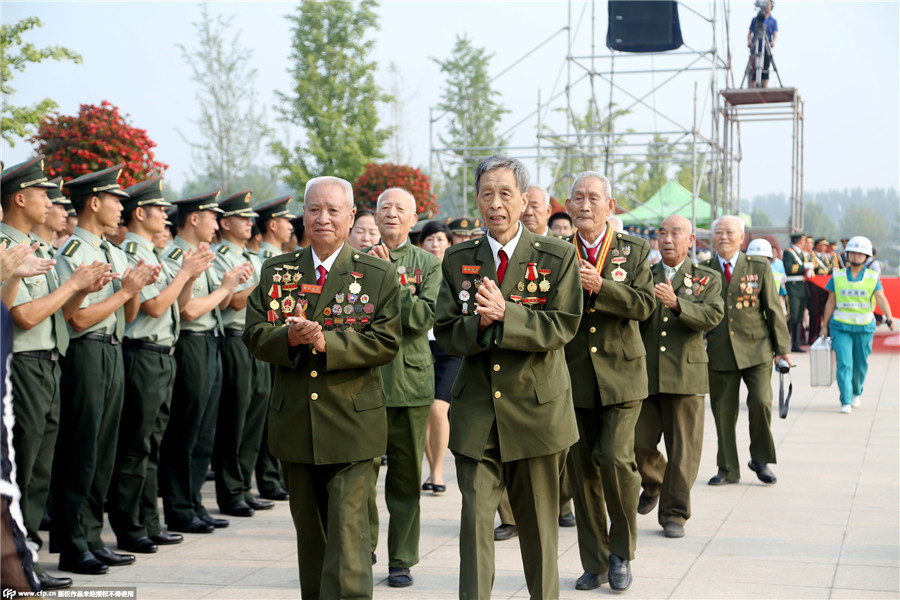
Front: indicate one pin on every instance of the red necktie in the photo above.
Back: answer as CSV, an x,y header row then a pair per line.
x,y
592,254
728,272
322,274
501,270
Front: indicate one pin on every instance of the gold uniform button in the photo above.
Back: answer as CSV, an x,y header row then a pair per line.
x,y
593,330
496,367
592,310
537,244
496,394
314,351
313,374
314,396
665,319
731,320
663,334
730,307
662,348
593,349
731,332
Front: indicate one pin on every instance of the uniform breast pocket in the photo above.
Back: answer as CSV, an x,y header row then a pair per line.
x,y
418,361
276,401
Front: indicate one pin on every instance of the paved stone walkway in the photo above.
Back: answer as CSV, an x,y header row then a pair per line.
x,y
830,528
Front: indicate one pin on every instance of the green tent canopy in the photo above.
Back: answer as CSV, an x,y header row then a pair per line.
x,y
671,199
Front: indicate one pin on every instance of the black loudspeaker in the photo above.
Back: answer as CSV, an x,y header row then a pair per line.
x,y
648,26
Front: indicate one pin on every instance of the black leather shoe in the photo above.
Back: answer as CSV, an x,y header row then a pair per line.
x,y
763,472
589,581
619,573
141,545
238,508
374,558
260,504
721,480
438,488
165,538
217,523
798,350
280,494
567,520
85,563
195,525
673,530
505,532
647,503
48,582
399,577
113,559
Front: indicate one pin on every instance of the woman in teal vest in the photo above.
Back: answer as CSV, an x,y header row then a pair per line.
x,y
852,293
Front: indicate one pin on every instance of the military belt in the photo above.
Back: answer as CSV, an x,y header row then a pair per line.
x,y
234,332
168,350
99,337
41,354
207,333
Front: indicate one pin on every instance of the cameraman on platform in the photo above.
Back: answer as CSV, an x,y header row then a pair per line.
x,y
763,18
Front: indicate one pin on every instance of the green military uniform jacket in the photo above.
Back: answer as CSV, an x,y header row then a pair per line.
x,y
163,330
85,247
409,378
228,256
676,353
327,408
607,352
203,286
513,372
753,329
50,333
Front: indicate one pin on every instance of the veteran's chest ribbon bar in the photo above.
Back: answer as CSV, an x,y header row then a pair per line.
x,y
309,288
471,269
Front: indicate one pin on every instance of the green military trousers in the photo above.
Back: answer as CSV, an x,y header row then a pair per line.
x,y
91,390
724,397
679,419
149,378
234,404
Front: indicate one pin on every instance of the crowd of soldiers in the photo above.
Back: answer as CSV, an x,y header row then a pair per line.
x,y
135,368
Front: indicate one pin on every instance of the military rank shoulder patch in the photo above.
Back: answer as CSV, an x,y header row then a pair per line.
x,y
71,247
176,253
9,242
267,254
223,250
131,247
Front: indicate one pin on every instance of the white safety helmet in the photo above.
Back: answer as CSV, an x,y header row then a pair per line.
x,y
861,244
760,247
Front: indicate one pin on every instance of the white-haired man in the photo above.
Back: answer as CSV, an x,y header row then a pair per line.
x,y
537,211
743,346
327,417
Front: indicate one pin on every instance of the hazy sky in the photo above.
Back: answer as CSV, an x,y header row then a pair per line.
x,y
843,57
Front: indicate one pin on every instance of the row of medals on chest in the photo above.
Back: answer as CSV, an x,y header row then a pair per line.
x,y
290,281
531,275
749,286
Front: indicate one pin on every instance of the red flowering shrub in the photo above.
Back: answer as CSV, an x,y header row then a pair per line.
x,y
378,178
97,138
556,206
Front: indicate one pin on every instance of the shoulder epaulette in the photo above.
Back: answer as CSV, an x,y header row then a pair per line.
x,y
223,250
758,259
267,253
554,246
176,253
71,247
9,242
704,267
466,245
131,248
371,261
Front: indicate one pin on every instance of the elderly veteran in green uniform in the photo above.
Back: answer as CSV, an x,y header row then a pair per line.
x,y
689,303
408,382
274,221
607,363
327,418
42,304
240,421
741,348
188,441
509,302
148,351
92,382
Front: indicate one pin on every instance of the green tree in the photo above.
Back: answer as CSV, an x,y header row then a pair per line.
x,y
760,218
639,180
472,109
232,126
334,97
815,222
19,121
